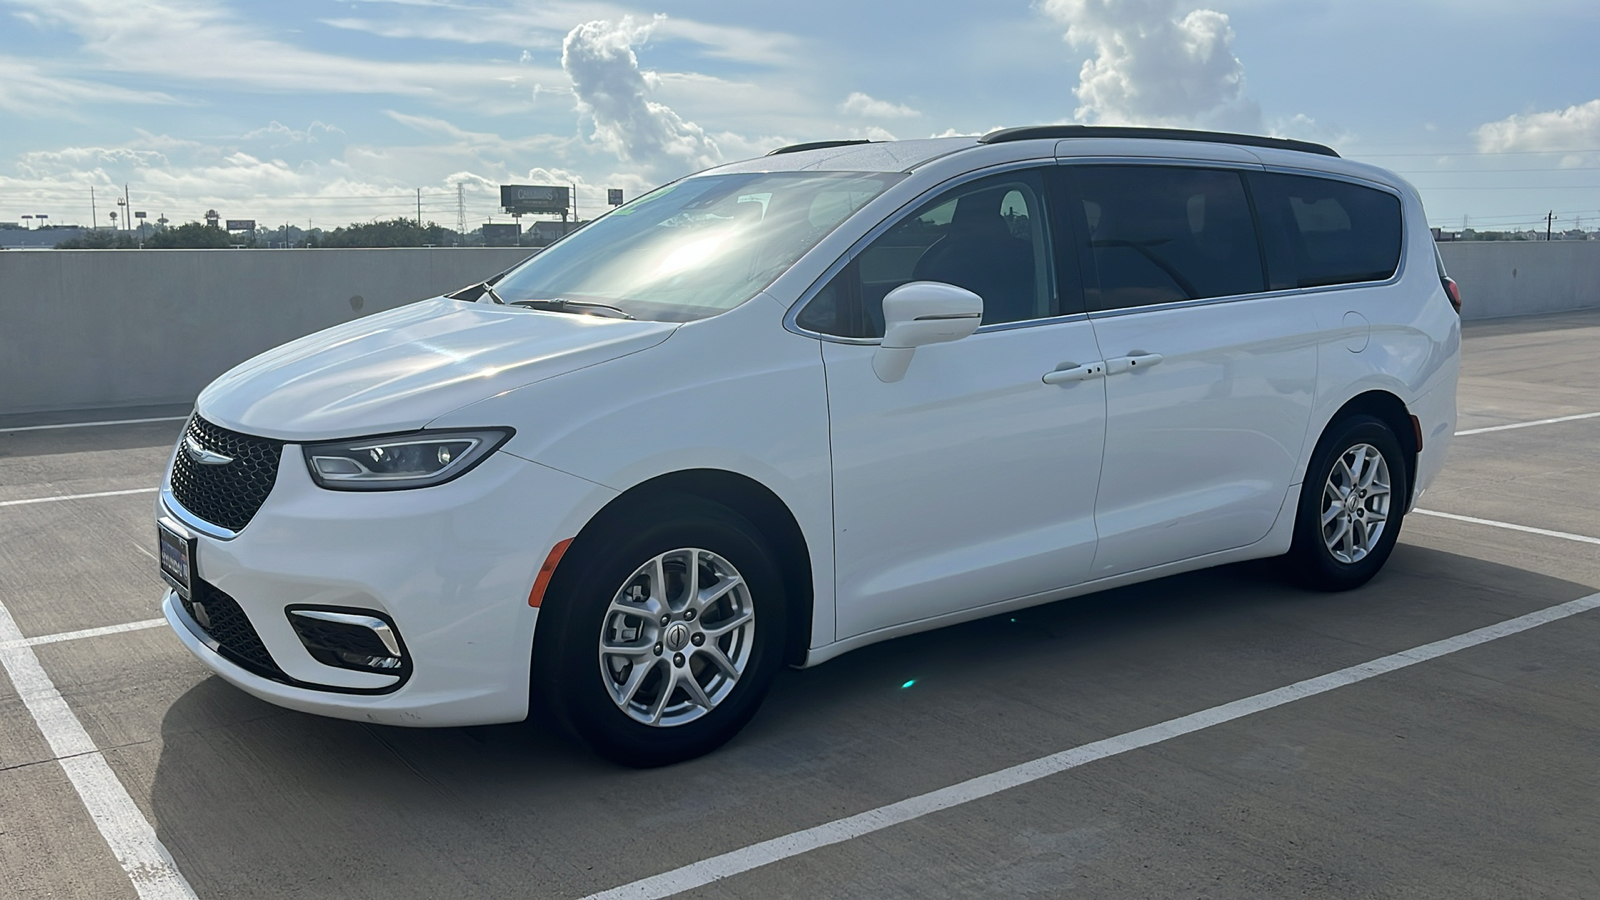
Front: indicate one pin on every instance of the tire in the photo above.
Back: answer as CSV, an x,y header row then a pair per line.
x,y
594,637
1345,554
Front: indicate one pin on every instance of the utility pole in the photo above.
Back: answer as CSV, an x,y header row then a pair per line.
x,y
94,217
1549,221
461,209
128,204
575,219
419,207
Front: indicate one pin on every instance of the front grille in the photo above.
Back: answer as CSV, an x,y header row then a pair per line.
x,y
227,494
220,617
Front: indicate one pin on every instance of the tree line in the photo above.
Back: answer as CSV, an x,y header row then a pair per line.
x,y
398,232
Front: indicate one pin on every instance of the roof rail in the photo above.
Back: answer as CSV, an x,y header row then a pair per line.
x,y
817,145
1062,132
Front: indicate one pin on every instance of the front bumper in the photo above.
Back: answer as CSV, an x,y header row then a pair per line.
x,y
450,565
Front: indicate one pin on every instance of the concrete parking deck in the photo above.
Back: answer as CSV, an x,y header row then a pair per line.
x,y
1469,773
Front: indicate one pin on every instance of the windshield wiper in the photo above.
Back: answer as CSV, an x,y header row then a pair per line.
x,y
561,304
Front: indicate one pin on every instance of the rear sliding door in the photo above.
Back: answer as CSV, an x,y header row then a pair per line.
x,y
1209,383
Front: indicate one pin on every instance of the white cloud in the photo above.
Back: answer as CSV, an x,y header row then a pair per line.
x,y
1302,127
28,89
859,104
1156,65
613,92
958,132
190,42
1576,128
542,25
278,134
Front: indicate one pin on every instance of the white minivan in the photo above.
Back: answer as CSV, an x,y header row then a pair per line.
x,y
791,406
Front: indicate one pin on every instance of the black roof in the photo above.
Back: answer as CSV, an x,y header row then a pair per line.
x,y
1063,132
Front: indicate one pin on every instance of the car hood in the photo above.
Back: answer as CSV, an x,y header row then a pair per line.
x,y
398,370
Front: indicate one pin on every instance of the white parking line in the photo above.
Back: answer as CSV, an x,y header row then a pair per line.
x,y
94,424
756,855
131,839
1591,415
84,633
58,499
1512,526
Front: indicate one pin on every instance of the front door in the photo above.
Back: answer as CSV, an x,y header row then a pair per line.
x,y
970,480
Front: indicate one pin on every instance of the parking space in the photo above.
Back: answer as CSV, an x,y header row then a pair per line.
x,y
1467,775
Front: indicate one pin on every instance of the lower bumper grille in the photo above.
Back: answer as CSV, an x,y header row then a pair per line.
x,y
226,630
221,618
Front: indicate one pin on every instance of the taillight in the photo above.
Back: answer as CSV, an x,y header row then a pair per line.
x,y
1452,291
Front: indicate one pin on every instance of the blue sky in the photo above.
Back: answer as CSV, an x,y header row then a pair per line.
x,y
333,111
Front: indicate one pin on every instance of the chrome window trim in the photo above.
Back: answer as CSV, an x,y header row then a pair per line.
x,y
790,317
1236,298
1400,264
1031,323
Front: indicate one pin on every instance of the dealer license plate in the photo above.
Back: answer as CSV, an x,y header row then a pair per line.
x,y
177,556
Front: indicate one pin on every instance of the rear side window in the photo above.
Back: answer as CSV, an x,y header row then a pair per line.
x,y
1318,231
1160,234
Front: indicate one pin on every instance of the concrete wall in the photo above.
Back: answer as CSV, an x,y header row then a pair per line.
x,y
1523,278
84,329
87,329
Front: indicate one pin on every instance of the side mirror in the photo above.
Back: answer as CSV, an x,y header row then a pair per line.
x,y
918,313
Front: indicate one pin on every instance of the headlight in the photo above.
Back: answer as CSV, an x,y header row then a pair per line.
x,y
399,461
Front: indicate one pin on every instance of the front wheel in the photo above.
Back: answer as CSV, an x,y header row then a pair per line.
x,y
666,636
1351,505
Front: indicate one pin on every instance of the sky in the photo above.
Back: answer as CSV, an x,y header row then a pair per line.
x,y
326,112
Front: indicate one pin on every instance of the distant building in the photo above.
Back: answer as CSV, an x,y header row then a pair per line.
x,y
38,238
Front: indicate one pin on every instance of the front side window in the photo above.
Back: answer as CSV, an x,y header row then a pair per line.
x,y
1161,234
987,236
1318,231
697,247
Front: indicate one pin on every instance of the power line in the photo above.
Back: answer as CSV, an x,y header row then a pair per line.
x,y
1478,153
1491,171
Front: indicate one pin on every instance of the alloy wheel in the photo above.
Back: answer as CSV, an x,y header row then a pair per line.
x,y
677,637
1355,503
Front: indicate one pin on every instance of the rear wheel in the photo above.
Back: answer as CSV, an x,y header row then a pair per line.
x,y
666,636
1351,506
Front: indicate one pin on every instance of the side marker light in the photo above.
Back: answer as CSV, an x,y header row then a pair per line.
x,y
542,582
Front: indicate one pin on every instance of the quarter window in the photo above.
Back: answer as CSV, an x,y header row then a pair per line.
x,y
1318,231
987,236
1161,234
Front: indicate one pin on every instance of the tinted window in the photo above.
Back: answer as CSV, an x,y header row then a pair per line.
x,y
987,236
1319,231
1158,234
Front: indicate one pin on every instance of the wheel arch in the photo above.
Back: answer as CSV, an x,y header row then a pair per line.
x,y
1392,411
750,499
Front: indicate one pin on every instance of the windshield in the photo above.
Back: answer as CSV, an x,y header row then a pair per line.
x,y
697,247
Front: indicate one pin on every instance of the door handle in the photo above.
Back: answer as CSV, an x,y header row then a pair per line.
x,y
1076,373
1131,363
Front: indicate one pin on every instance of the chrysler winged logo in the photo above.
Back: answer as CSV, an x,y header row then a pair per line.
x,y
201,455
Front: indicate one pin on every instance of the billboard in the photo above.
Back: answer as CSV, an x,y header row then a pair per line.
x,y
502,235
241,224
614,196
532,198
